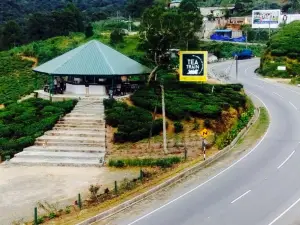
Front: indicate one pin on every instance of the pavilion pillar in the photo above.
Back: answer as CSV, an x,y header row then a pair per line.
x,y
112,87
35,81
51,85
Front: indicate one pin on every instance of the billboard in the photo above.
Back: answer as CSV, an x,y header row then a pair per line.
x,y
266,18
193,66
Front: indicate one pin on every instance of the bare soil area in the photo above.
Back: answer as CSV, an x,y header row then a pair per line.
x,y
22,187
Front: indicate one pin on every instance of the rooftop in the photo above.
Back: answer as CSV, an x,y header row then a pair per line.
x,y
90,59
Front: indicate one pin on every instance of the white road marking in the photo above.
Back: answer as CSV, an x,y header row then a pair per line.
x,y
276,84
217,175
249,68
240,197
258,86
278,217
293,105
277,94
286,160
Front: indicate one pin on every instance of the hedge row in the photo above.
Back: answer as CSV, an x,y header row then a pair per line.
x,y
191,99
163,163
226,138
133,123
21,123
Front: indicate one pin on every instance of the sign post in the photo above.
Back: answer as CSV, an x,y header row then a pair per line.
x,y
204,134
193,66
236,66
164,118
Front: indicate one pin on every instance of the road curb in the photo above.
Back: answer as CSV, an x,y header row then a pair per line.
x,y
174,179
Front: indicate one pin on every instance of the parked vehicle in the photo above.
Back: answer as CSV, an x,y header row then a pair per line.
x,y
244,54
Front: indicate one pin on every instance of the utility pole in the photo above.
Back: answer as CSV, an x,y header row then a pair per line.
x,y
164,117
237,67
129,24
118,16
269,30
246,39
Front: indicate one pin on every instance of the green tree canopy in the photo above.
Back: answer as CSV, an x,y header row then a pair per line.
x,y
11,34
136,7
162,29
189,6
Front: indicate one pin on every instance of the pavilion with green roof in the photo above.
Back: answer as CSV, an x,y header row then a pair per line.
x,y
94,63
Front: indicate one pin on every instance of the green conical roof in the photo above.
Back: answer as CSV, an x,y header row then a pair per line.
x,y
92,58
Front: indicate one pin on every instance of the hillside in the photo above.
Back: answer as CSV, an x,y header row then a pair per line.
x,y
280,52
19,9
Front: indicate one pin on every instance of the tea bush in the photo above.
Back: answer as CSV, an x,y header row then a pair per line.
x,y
191,99
178,127
163,162
133,123
21,123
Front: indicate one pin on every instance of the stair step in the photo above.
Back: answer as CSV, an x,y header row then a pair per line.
x,y
65,148
77,123
78,114
55,155
82,110
82,129
55,162
70,138
62,122
75,133
69,143
88,119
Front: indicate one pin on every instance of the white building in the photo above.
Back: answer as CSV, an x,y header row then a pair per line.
x,y
175,3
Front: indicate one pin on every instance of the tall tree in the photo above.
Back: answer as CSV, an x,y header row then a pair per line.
x,y
162,29
11,34
136,7
158,31
189,6
191,21
89,32
38,26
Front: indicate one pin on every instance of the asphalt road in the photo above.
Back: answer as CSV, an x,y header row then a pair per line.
x,y
262,187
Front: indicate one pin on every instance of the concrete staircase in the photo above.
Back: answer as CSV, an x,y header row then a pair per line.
x,y
78,139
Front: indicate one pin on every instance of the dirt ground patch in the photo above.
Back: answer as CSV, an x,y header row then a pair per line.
x,y
22,187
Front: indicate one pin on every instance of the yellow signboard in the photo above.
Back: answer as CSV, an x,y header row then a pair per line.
x,y
204,133
193,66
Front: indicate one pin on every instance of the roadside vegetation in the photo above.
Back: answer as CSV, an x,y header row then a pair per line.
x,y
280,52
21,123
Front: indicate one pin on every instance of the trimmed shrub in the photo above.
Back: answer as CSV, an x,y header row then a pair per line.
x,y
163,163
21,123
178,127
133,123
191,99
